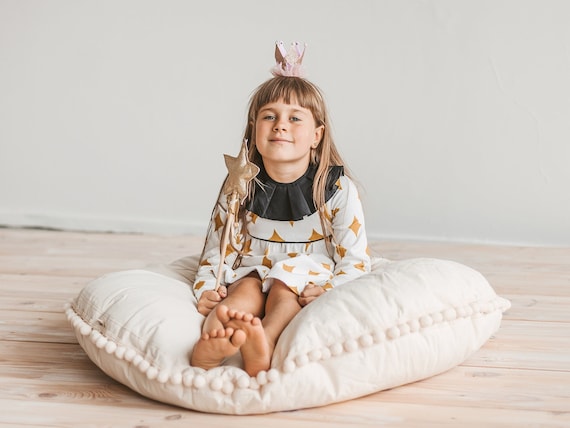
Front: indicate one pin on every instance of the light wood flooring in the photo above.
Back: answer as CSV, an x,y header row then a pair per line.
x,y
520,378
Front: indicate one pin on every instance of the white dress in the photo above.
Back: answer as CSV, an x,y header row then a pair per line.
x,y
293,251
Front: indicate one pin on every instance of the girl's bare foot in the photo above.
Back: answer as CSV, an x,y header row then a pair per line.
x,y
216,345
255,352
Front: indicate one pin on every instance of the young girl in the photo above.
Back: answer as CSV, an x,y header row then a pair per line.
x,y
301,229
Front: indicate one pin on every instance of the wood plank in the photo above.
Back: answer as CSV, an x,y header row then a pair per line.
x,y
527,345
36,326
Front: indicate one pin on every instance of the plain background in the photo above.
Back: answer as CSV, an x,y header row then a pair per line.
x,y
454,116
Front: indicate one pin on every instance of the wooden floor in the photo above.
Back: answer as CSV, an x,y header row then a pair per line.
x,y
520,378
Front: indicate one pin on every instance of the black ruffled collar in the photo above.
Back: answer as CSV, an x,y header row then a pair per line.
x,y
289,201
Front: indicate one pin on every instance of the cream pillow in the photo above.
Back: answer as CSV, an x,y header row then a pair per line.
x,y
403,322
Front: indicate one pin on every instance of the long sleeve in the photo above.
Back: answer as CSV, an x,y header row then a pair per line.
x,y
210,258
349,239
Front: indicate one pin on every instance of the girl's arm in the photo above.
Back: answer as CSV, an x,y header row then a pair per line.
x,y
349,241
210,258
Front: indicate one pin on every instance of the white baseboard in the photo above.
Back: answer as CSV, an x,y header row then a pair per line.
x,y
101,224
170,227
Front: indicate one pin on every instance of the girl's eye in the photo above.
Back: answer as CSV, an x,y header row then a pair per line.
x,y
269,117
295,119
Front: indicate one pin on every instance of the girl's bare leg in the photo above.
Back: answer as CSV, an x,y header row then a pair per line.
x,y
218,341
262,335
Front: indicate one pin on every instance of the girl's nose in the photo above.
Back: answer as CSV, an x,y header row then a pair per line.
x,y
280,125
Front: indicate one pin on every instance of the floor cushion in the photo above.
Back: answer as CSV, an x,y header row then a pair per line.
x,y
405,321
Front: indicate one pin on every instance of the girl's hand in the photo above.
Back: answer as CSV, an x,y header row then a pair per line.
x,y
310,293
209,299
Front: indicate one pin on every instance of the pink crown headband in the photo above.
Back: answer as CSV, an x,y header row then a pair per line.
x,y
289,63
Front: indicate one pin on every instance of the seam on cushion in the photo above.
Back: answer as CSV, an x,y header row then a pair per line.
x,y
107,340
197,378
189,377
377,337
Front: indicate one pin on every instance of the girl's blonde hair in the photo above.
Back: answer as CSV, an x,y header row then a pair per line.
x,y
306,94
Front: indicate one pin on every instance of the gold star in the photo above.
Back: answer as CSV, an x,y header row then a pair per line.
x,y
240,172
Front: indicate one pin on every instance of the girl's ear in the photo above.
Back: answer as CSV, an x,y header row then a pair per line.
x,y
318,136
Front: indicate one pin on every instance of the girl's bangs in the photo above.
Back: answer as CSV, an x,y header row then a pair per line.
x,y
291,91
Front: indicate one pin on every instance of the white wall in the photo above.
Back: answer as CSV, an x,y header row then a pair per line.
x,y
454,115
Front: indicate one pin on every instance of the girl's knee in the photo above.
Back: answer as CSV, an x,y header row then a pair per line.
x,y
249,284
278,287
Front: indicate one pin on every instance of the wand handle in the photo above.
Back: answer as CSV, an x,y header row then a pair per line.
x,y
233,201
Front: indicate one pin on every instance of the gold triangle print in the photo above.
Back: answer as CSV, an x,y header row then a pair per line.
x,y
288,268
247,246
267,263
254,218
275,237
315,236
229,250
355,226
341,251
360,266
218,222
199,285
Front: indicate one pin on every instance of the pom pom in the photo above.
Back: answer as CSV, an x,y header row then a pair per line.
x,y
120,352
144,365
110,347
301,360
393,333
351,345
199,381
273,375
163,376
130,355
176,378
315,355
261,377
228,388
188,378
366,340
336,349
152,373
243,382
85,330
217,384
101,342
289,366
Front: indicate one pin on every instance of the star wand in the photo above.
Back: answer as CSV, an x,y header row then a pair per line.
x,y
240,172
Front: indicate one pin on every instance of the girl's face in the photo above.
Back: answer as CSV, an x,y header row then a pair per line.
x,y
284,137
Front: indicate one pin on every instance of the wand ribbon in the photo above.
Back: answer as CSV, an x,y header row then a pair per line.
x,y
240,172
